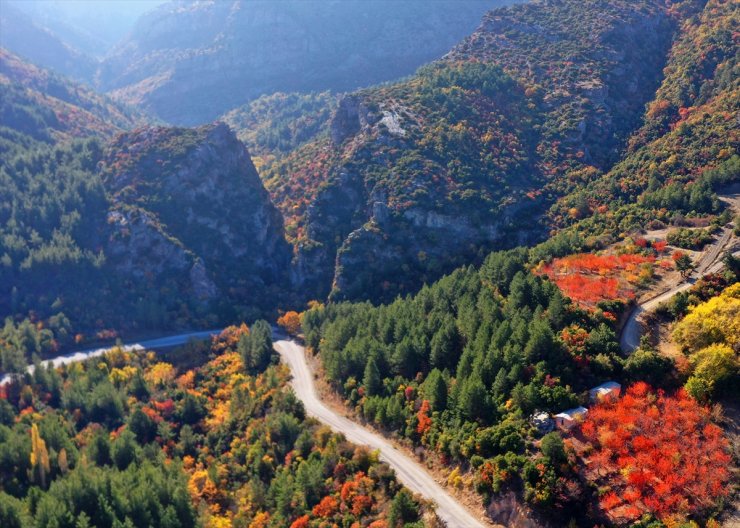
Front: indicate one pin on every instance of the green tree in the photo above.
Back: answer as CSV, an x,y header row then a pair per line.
x,y
435,390
124,449
256,347
473,401
684,264
552,447
647,365
403,510
12,512
371,379
142,426
444,345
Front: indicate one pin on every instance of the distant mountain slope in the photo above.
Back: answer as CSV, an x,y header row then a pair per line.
x,y
23,36
87,26
689,141
425,174
189,62
49,107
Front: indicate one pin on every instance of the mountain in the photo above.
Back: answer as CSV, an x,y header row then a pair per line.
x,y
188,203
166,221
172,224
688,143
414,178
91,27
188,62
22,35
49,107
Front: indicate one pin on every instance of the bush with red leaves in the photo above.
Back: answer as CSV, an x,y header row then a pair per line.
x,y
657,454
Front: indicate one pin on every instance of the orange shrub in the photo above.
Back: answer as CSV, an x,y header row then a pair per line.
x,y
291,322
326,508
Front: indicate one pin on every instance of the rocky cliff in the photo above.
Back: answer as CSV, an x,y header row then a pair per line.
x,y
188,208
465,156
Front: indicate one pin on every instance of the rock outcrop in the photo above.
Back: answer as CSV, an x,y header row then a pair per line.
x,y
189,207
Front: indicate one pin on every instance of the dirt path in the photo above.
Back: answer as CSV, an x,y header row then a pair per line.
x,y
409,472
709,262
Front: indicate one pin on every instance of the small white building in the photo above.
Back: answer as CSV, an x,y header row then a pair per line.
x,y
542,422
566,420
608,390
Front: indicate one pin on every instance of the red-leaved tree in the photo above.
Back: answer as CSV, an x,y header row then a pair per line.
x,y
657,454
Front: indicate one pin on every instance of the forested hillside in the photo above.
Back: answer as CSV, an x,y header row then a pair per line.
x,y
173,224
687,146
520,264
126,440
168,222
462,368
48,108
428,173
389,187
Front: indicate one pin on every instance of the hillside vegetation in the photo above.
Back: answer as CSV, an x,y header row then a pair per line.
x,y
153,228
687,146
428,173
126,440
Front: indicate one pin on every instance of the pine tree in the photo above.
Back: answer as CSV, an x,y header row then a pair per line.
x,y
435,390
372,380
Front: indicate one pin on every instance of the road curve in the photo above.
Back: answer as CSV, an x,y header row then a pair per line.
x,y
409,472
709,263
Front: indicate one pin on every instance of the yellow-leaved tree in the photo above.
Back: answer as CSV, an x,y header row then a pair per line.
x,y
715,321
39,456
710,335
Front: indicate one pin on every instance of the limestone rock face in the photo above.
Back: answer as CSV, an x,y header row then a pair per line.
x,y
189,204
467,155
189,62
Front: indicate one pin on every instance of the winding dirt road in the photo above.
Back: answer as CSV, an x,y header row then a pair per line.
x,y
409,472
710,262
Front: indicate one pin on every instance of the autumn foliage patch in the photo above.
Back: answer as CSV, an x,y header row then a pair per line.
x,y
655,454
588,278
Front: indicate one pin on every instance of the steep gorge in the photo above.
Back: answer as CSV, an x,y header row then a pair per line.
x,y
417,177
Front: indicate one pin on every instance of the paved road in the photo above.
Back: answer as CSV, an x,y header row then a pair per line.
x,y
710,262
151,344
409,472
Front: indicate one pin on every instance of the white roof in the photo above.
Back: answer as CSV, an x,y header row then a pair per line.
x,y
609,385
572,413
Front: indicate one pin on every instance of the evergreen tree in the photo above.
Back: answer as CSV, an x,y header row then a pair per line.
x,y
371,380
435,390
256,347
403,510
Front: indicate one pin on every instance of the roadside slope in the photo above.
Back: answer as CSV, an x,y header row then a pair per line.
x,y
710,262
408,471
